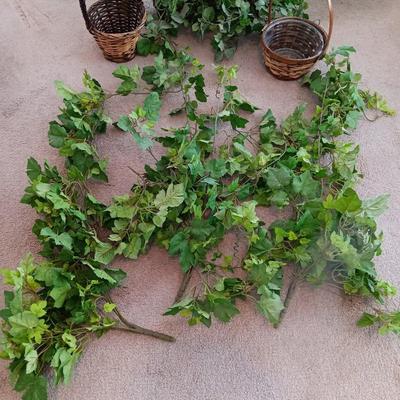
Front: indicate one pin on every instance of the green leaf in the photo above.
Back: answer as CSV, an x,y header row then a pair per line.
x,y
124,123
64,91
104,253
23,322
109,307
278,178
224,310
201,229
144,47
198,82
347,253
305,185
60,293
366,320
216,168
152,106
129,76
64,239
270,304
100,273
34,387
173,197
279,199
31,358
39,308
375,207
57,135
179,245
133,249
347,202
33,169
69,339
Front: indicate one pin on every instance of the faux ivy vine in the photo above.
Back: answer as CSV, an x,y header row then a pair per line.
x,y
226,20
56,305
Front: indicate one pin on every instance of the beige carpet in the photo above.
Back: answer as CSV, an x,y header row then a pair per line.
x,y
318,353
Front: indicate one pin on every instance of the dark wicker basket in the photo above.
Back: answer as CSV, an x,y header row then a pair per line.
x,y
293,45
116,26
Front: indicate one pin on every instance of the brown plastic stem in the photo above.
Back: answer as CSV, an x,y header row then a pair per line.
x,y
131,327
289,295
184,283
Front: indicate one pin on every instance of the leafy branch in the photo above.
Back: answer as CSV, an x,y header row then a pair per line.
x,y
187,203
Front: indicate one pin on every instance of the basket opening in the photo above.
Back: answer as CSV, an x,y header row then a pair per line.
x,y
116,16
294,38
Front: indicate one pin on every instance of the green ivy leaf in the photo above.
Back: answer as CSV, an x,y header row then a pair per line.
x,y
345,203
152,106
129,76
224,310
270,304
60,293
104,253
305,185
375,207
57,135
34,387
278,178
63,239
33,169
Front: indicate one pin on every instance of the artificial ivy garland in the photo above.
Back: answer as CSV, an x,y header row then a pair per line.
x,y
226,20
56,305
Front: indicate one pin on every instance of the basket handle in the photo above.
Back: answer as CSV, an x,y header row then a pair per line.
x,y
85,15
330,29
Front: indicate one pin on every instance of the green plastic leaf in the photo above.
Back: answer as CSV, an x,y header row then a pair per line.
x,y
173,197
64,91
224,310
129,76
39,308
152,106
366,320
133,249
33,169
347,202
31,358
109,307
104,253
57,135
375,207
278,178
305,185
34,387
60,293
270,304
64,239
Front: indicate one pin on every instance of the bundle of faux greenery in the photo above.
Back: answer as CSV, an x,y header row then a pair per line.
x,y
56,305
227,20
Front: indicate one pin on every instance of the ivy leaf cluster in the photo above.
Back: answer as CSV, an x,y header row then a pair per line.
x,y
226,20
187,202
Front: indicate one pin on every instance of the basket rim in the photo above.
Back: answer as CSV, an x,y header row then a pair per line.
x,y
120,34
302,60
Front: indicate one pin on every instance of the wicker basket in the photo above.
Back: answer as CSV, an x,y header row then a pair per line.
x,y
293,45
116,26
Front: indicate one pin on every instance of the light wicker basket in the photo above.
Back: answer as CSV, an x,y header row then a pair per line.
x,y
291,45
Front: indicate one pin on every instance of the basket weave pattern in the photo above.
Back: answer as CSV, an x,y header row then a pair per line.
x,y
116,26
291,46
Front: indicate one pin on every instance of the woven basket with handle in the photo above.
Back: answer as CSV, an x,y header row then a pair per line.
x,y
116,26
292,45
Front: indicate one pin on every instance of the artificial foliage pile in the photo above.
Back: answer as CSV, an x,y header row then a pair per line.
x,y
226,20
330,235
